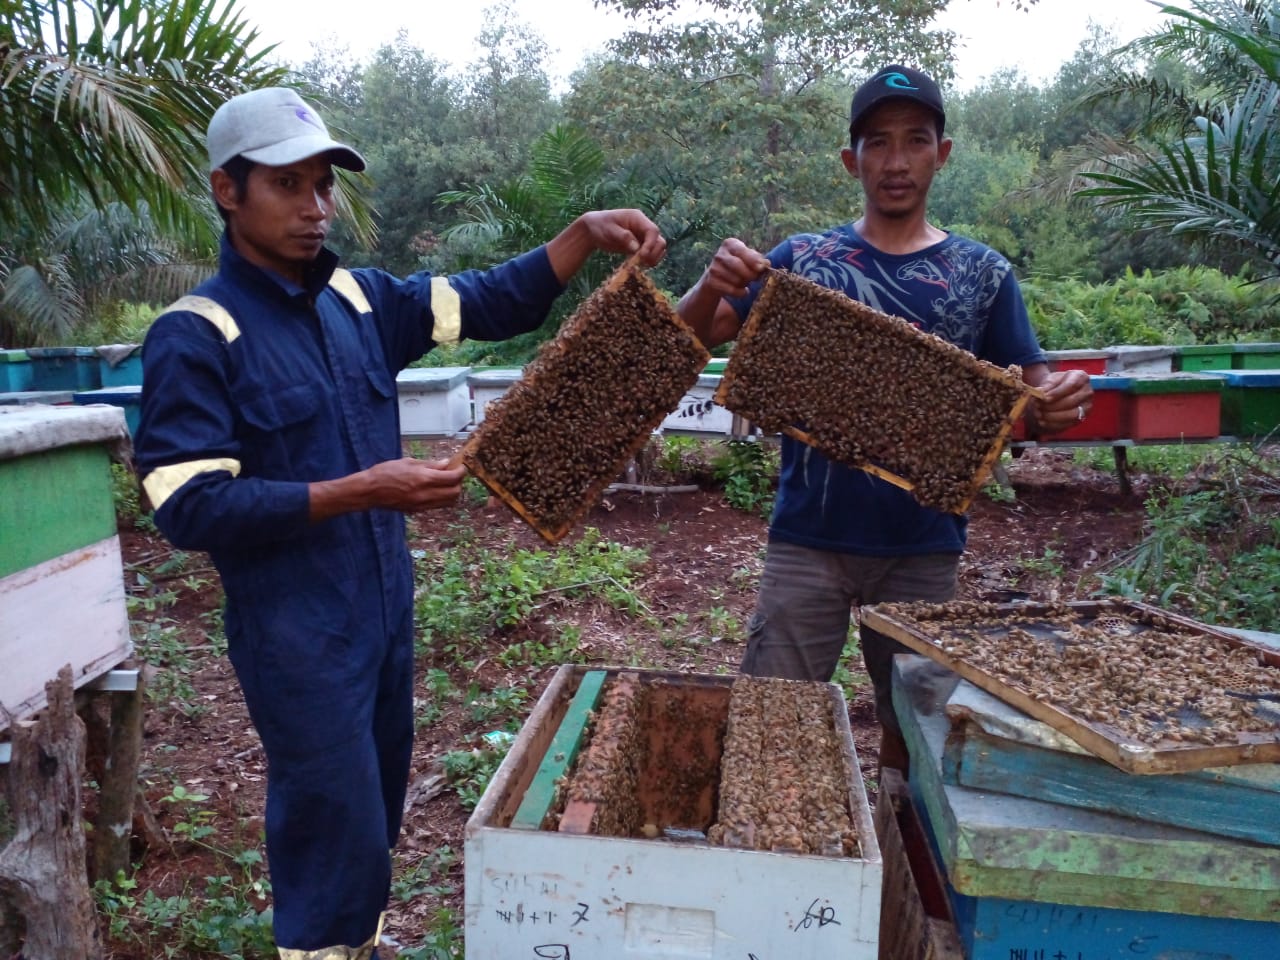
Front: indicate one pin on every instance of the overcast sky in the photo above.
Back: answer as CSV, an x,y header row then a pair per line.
x,y
993,34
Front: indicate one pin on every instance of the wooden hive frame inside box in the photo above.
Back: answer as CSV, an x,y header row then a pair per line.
x,y
936,629
589,400
871,391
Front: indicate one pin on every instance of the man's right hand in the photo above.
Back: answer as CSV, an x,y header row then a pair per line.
x,y
733,267
704,308
406,484
411,485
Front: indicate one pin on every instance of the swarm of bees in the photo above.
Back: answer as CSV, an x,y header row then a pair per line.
x,y
783,776
586,403
607,773
1146,677
871,391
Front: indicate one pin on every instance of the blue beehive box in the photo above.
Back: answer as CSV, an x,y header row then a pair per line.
x,y
64,368
120,364
15,371
127,397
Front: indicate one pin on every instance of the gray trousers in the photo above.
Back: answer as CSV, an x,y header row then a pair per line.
x,y
802,614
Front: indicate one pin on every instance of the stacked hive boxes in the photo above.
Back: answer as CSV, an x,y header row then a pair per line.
x,y
1048,850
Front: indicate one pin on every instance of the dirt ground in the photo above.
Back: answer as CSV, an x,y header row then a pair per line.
x,y
1062,522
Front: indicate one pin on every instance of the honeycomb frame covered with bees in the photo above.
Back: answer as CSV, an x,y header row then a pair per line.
x,y
871,391
1147,690
663,879
586,403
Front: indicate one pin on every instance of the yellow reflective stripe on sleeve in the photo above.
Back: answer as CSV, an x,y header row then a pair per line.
x,y
345,283
162,482
212,311
447,307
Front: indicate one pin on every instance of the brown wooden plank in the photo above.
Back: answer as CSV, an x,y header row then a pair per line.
x,y
578,817
1099,738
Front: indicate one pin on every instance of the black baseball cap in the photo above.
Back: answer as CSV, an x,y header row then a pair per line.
x,y
895,82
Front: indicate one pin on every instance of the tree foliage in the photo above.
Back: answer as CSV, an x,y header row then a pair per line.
x,y
103,106
749,106
1216,177
108,100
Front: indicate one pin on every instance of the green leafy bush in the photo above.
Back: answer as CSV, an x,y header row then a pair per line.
x,y
1183,306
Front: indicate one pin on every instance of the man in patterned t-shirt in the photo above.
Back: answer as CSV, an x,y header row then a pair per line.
x,y
841,537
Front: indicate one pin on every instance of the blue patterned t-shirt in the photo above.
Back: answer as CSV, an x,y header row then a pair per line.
x,y
958,289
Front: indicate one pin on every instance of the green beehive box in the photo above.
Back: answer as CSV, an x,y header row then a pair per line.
x,y
1250,402
1256,356
1204,356
15,371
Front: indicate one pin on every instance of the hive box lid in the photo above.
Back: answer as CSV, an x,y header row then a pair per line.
x,y
710,379
23,398
1206,349
1176,383
430,379
494,376
1079,354
34,429
1248,378
1110,381
1255,348
126,393
992,745
1140,352
14,356
43,353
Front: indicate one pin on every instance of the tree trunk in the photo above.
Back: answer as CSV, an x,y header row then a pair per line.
x,y
42,870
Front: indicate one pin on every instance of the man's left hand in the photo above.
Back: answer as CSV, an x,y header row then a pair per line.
x,y
1068,400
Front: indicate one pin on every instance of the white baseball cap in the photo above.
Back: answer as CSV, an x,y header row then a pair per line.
x,y
273,126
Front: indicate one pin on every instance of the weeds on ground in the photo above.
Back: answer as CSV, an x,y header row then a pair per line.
x,y
466,592
230,916
748,470
1213,553
470,770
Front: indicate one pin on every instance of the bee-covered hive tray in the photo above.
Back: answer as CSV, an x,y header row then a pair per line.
x,y
871,391
586,403
1144,689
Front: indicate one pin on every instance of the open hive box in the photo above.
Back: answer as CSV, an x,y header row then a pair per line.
x,y
871,391
589,400
1145,690
653,814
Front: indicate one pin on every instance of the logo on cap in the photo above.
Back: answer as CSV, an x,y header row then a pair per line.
x,y
306,116
899,81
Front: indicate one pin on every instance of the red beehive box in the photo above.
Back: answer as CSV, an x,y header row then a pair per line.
x,y
1090,361
1173,406
1105,419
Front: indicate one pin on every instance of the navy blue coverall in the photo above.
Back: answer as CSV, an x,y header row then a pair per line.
x,y
253,388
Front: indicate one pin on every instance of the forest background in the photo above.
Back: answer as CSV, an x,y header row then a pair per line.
x,y
1135,192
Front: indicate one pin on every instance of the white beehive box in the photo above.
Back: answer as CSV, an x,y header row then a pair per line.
x,y
488,385
545,894
434,401
699,414
62,598
1140,359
